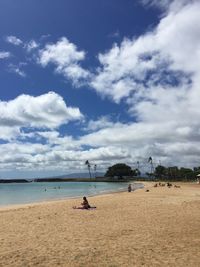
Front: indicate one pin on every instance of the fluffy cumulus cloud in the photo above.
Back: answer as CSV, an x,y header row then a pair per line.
x,y
66,58
13,40
167,54
47,111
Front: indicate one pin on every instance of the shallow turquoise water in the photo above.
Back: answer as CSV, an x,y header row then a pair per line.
x,y
21,193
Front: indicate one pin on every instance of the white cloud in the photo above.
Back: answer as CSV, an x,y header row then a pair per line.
x,y
106,154
17,69
115,34
166,5
31,45
101,123
66,57
29,156
46,111
53,138
172,46
169,142
20,72
4,54
13,40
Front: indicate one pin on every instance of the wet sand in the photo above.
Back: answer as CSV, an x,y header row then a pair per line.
x,y
156,228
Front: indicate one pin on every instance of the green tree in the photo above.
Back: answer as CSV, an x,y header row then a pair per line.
x,y
160,172
172,173
120,170
186,173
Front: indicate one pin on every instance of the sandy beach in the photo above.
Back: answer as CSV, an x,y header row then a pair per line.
x,y
156,228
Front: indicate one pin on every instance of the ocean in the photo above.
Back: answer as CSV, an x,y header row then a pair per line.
x,y
24,193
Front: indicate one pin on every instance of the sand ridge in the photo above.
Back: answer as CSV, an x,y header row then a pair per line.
x,y
156,228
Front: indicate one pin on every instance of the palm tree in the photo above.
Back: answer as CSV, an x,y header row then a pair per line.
x,y
89,166
95,170
150,160
138,168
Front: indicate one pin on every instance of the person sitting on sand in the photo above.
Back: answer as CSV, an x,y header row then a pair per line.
x,y
169,185
85,205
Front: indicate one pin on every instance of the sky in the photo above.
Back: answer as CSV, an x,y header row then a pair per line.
x,y
110,81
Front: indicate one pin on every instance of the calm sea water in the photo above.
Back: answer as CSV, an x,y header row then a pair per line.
x,y
21,193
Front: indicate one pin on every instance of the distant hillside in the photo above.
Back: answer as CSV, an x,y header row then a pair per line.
x,y
68,177
75,175
81,175
6,181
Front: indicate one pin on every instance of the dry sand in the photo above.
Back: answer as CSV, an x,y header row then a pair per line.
x,y
156,228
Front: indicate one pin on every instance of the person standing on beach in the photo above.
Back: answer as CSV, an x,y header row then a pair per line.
x,y
129,188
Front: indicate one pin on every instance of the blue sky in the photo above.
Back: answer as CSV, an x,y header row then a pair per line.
x,y
104,81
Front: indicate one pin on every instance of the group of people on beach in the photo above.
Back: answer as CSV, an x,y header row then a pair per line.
x,y
169,185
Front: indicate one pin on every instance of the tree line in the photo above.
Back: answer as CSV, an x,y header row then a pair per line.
x,y
175,173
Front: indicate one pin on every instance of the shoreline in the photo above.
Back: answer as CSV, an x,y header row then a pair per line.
x,y
47,201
